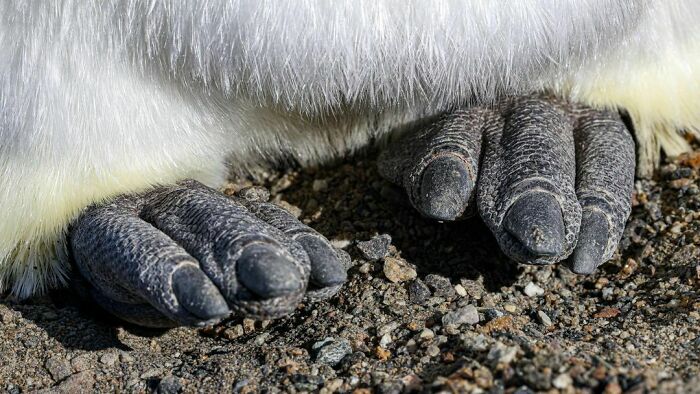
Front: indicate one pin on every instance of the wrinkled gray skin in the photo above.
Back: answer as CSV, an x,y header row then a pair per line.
x,y
189,255
551,180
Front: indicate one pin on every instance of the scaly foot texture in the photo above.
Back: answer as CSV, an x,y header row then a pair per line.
x,y
552,180
189,255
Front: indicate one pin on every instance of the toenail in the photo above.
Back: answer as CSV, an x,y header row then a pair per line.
x,y
445,189
592,243
268,272
535,219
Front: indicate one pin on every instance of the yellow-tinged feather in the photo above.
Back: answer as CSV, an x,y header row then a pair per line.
x,y
662,97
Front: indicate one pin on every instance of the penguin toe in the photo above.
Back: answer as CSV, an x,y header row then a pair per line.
x,y
188,255
551,179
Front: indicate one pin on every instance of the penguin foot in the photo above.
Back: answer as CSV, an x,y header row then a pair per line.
x,y
552,180
189,255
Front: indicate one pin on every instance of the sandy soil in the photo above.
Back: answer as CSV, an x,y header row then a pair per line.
x,y
443,310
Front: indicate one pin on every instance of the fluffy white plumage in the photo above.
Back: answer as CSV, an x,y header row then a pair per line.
x,y
101,98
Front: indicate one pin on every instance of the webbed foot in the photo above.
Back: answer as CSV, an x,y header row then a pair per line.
x,y
551,179
189,255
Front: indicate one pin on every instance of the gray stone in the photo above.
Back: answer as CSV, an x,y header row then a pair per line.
x,y
169,385
331,351
544,319
501,354
432,351
78,383
126,357
254,194
58,367
6,314
441,286
81,362
464,315
473,288
376,248
418,292
109,359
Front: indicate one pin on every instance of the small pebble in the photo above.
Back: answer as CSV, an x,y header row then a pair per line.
x,y
432,351
398,270
262,338
613,388
544,319
126,357
562,381
81,382
376,248
411,382
388,328
254,194
240,386
382,353
473,288
248,325
234,332
109,359
169,385
502,354
441,286
427,334
532,290
151,373
333,385
385,340
58,367
6,314
461,291
365,268
464,315
83,362
418,292
607,293
340,243
331,351
679,183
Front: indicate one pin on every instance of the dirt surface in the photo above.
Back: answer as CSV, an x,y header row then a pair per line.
x,y
443,310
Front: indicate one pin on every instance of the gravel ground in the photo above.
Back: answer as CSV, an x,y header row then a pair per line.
x,y
428,307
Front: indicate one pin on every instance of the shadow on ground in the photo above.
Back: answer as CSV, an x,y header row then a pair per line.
x,y
359,208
